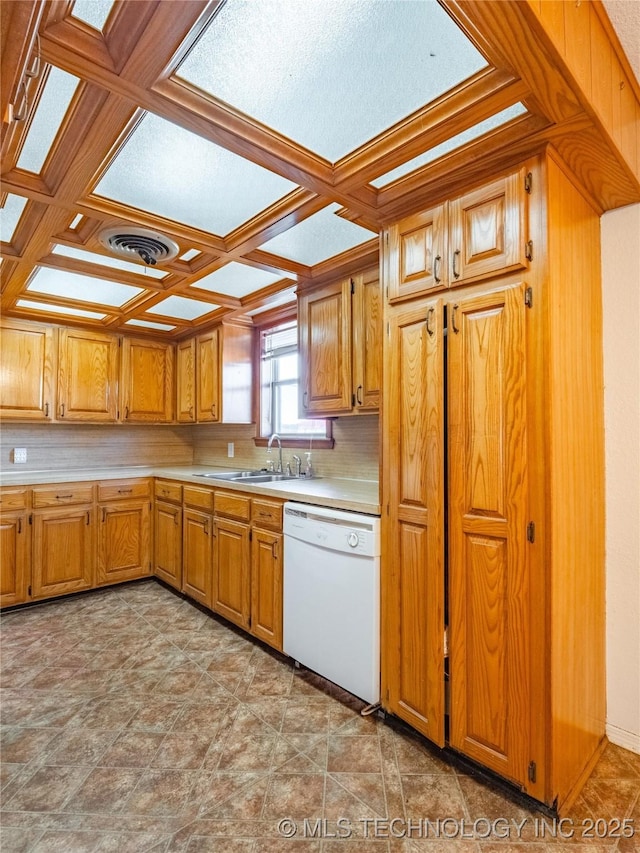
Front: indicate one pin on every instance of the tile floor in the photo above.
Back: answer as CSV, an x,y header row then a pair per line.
x,y
133,721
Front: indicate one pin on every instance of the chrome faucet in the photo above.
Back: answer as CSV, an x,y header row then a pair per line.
x,y
298,464
276,437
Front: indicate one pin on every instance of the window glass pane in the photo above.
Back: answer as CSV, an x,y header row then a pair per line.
x,y
288,367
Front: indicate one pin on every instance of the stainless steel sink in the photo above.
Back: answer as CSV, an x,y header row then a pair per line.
x,y
247,476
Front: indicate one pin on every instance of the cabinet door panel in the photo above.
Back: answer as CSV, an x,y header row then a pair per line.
x,y
63,551
197,555
231,572
26,390
488,228
14,555
186,381
208,376
413,568
147,381
324,329
488,559
367,342
167,531
88,376
266,587
124,541
417,254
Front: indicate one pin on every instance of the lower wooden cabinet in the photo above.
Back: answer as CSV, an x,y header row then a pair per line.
x,y
197,555
231,572
266,586
167,543
124,541
14,557
63,550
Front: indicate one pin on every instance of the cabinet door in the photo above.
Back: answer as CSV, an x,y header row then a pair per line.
x,y
167,531
231,571
324,336
124,541
14,558
186,381
367,341
488,556
488,228
26,390
63,551
208,376
266,587
413,488
147,381
87,376
197,555
416,250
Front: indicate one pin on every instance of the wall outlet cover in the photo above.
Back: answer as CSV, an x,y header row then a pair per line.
x,y
19,455
231,449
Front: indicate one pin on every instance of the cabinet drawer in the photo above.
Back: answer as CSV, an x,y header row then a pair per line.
x,y
167,490
11,499
119,490
198,497
267,514
64,494
232,506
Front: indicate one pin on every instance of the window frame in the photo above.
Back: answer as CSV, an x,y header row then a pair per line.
x,y
303,442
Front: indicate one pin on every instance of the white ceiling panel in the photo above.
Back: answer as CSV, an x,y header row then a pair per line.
x,y
92,12
238,280
182,308
330,75
319,237
166,170
59,309
54,103
10,216
451,144
147,324
84,288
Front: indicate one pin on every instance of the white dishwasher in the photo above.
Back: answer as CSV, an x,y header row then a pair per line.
x,y
332,595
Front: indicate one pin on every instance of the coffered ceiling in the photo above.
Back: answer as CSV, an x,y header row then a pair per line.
x,y
266,141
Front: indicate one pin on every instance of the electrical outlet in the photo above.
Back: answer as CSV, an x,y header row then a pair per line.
x,y
231,450
19,455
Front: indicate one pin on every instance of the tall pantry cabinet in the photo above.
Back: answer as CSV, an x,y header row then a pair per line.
x,y
493,478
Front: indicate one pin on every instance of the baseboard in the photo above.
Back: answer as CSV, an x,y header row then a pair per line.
x,y
623,738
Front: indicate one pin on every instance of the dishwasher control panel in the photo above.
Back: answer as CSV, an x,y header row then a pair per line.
x,y
335,530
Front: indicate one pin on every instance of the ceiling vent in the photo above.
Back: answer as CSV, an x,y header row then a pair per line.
x,y
128,243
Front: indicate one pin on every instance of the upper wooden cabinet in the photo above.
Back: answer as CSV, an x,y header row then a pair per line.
x,y
186,381
28,355
483,233
147,381
87,376
340,346
223,375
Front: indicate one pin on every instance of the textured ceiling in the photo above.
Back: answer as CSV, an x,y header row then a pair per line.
x,y
625,17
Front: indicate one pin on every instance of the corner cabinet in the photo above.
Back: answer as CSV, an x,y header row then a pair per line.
x,y
223,374
340,346
493,520
147,381
28,370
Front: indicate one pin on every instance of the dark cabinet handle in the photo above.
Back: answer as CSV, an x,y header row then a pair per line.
x,y
430,315
436,268
62,410
46,410
456,265
359,395
453,319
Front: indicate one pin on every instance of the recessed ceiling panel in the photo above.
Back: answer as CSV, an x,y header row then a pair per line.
x,y
237,280
147,324
54,103
10,215
182,308
84,288
451,144
92,12
330,75
190,255
114,263
59,309
319,237
166,170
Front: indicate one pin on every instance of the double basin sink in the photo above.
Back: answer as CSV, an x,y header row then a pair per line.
x,y
248,476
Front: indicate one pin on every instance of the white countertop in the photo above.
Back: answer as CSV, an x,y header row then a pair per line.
x,y
354,495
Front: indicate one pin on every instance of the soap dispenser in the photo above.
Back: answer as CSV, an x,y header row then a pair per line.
x,y
309,470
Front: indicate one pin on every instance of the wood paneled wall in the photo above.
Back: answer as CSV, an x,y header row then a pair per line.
x,y
355,454
64,446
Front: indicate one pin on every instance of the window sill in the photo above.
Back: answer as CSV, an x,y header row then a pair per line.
x,y
299,443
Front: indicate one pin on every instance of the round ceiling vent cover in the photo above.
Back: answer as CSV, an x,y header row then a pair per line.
x,y
142,243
